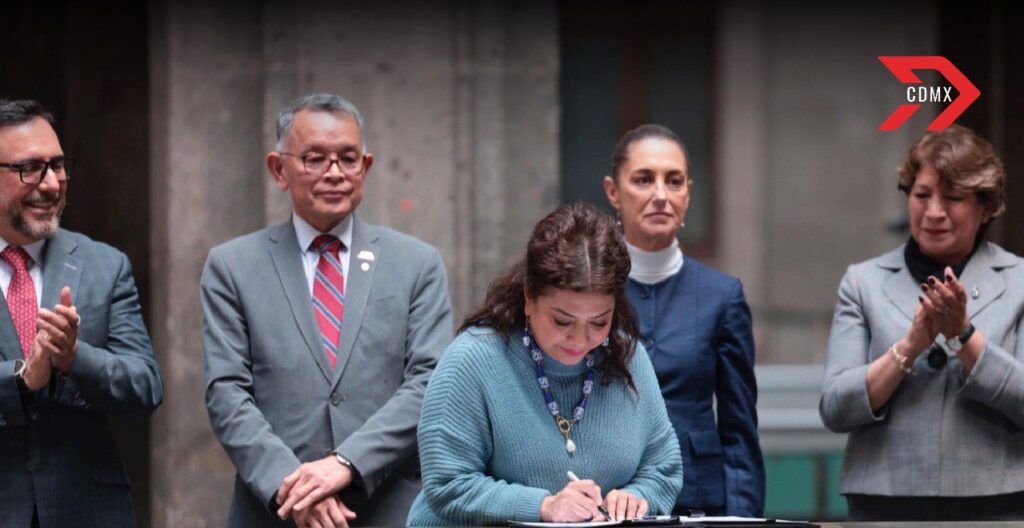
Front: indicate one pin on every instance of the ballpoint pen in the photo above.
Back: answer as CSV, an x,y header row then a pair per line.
x,y
600,507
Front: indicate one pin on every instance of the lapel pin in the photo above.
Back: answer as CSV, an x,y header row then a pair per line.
x,y
366,255
975,293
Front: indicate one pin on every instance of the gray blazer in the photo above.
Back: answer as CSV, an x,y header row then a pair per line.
x,y
274,401
944,432
56,449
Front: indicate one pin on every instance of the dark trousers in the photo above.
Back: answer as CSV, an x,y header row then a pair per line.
x,y
869,508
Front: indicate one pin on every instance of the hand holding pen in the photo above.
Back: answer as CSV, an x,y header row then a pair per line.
x,y
600,507
578,501
622,504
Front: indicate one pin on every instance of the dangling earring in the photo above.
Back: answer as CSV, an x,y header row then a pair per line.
x,y
526,333
606,342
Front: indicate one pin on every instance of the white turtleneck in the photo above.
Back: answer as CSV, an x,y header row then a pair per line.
x,y
652,267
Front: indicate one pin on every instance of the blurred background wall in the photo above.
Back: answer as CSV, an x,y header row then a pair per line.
x,y
483,116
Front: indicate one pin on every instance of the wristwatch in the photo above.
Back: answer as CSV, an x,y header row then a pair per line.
x,y
344,461
957,342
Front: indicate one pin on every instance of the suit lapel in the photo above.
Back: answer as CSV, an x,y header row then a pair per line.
x,y
10,347
900,288
287,256
980,277
358,279
60,268
691,291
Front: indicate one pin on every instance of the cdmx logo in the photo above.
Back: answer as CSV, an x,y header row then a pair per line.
x,y
903,68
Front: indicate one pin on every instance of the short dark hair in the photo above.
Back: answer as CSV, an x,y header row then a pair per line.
x,y
22,111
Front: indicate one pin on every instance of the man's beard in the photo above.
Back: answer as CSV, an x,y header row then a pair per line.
x,y
35,230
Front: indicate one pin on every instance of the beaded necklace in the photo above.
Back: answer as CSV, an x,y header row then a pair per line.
x,y
564,425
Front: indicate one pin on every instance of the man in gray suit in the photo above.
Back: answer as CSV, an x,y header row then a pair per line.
x,y
73,347
320,335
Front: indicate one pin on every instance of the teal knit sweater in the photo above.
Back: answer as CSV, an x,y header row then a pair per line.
x,y
491,451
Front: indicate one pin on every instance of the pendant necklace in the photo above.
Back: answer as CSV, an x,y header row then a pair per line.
x,y
564,424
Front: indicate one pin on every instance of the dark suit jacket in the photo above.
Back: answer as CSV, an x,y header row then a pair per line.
x,y
56,450
274,401
696,327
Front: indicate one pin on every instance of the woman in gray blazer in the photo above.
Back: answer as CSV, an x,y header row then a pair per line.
x,y
925,353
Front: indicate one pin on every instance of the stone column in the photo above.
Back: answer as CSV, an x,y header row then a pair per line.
x,y
810,181
206,169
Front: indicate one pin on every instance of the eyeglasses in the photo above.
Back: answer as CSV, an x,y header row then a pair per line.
x,y
34,171
317,164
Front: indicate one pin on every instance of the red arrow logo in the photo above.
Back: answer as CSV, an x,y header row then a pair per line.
x,y
902,68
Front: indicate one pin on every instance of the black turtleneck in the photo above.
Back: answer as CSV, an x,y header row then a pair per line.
x,y
922,266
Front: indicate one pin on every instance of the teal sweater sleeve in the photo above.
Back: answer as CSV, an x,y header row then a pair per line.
x,y
660,475
455,445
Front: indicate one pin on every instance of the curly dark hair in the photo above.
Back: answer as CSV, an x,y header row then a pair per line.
x,y
579,248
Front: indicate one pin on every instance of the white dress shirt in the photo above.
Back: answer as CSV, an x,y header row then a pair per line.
x,y
307,233
35,269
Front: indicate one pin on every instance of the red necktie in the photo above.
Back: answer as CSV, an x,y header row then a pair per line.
x,y
21,297
329,294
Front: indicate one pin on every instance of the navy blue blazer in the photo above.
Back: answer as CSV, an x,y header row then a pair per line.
x,y
57,452
696,327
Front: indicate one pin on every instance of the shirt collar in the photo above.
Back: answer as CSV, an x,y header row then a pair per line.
x,y
305,233
34,250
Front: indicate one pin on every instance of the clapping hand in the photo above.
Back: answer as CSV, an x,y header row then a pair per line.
x,y
37,366
946,304
58,331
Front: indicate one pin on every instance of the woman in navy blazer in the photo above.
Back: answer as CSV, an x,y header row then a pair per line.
x,y
696,326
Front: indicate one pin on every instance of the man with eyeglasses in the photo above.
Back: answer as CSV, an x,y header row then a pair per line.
x,y
320,335
73,346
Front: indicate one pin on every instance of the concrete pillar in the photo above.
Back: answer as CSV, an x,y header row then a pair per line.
x,y
812,180
206,169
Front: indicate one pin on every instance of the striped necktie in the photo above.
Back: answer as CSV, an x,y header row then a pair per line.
x,y
21,297
329,294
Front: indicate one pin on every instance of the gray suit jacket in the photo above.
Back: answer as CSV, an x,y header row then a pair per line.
x,y
274,402
56,449
944,432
